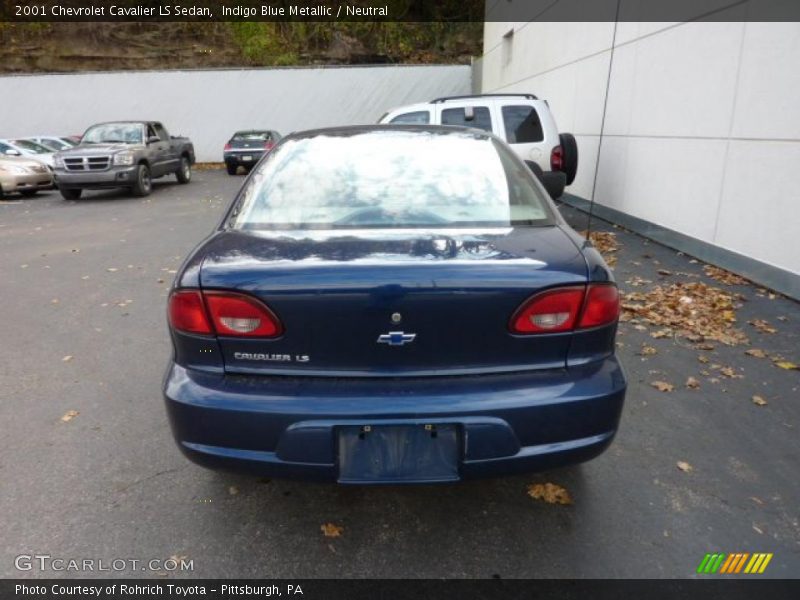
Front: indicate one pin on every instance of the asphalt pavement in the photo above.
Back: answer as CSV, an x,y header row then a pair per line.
x,y
84,286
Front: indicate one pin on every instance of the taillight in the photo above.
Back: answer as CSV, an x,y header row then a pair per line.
x,y
557,159
549,312
222,313
601,306
187,313
268,146
227,146
238,315
567,308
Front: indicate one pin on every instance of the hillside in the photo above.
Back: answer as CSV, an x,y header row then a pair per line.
x,y
70,47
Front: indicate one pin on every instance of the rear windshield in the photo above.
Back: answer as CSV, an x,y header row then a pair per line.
x,y
391,179
250,136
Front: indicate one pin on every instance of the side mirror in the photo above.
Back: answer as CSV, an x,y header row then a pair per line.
x,y
12,152
153,139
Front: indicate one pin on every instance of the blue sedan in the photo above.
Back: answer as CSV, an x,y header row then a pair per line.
x,y
393,304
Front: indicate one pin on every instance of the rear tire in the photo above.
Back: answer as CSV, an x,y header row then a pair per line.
x,y
569,148
232,169
184,172
71,193
144,183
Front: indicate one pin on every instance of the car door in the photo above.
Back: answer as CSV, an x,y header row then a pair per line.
x,y
171,154
156,150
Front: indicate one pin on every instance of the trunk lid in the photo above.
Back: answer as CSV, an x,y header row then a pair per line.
x,y
343,299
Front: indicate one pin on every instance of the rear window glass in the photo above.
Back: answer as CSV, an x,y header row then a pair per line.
x,y
391,179
248,136
458,116
522,125
419,117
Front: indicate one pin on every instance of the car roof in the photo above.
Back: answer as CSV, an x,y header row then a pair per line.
x,y
350,130
459,100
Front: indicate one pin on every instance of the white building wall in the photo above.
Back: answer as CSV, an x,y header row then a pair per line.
x,y
209,106
702,125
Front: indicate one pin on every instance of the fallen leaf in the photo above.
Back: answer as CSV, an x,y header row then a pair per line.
x,y
763,326
756,529
69,415
692,383
759,400
112,269
757,352
664,272
684,466
662,386
550,493
67,358
702,359
233,490
785,364
647,350
730,373
331,530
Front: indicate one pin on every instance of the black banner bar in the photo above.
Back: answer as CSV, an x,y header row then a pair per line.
x,y
313,589
53,11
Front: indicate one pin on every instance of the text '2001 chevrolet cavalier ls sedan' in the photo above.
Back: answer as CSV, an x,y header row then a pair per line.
x,y
393,304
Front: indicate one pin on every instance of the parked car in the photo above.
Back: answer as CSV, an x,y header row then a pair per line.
x,y
245,148
22,147
127,154
53,142
522,120
386,304
23,175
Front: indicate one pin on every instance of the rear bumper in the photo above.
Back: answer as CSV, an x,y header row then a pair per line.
x,y
289,427
111,178
237,158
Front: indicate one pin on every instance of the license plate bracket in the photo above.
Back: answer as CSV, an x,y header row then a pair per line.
x,y
398,453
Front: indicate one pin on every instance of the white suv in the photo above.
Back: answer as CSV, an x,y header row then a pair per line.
x,y
522,120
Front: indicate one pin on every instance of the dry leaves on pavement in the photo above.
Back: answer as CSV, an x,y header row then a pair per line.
x,y
69,415
684,466
662,386
647,350
331,530
757,352
724,276
550,493
758,400
693,310
606,244
692,383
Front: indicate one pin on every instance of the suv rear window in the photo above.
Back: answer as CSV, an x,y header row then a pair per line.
x,y
522,125
419,117
457,116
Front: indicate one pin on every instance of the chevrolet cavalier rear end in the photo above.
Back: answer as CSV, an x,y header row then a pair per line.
x,y
393,305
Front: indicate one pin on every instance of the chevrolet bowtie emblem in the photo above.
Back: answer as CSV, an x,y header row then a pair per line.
x,y
396,338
